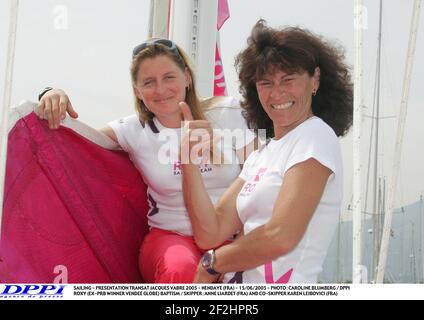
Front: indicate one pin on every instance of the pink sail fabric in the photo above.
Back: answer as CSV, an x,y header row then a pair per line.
x,y
69,205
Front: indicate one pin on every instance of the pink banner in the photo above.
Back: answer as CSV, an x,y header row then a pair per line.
x,y
223,13
219,82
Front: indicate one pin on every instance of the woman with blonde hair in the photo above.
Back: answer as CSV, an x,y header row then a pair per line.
x,y
287,199
162,78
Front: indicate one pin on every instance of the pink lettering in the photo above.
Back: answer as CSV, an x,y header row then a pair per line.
x,y
269,275
177,165
260,173
249,187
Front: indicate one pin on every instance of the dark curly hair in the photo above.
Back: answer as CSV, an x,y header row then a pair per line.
x,y
293,49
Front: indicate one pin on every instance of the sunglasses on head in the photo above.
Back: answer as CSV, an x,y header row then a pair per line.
x,y
165,42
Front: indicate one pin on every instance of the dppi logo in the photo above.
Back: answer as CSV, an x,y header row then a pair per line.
x,y
33,290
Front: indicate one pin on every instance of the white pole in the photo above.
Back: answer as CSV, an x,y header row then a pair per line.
x,y
193,26
158,19
421,238
398,146
151,19
7,98
357,121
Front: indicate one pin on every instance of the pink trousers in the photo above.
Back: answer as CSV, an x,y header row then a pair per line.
x,y
167,257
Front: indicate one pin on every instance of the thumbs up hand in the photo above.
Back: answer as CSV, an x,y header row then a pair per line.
x,y
196,138
186,112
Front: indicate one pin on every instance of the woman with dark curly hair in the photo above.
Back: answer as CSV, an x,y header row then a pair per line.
x,y
288,196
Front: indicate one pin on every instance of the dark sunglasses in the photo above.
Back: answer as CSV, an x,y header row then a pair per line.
x,y
165,42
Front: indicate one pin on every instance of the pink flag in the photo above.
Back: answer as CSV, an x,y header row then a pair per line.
x,y
219,81
223,13
219,85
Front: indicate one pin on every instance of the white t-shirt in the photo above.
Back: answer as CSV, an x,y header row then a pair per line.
x,y
263,174
154,151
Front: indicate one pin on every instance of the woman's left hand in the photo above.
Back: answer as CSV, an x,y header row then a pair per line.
x,y
202,276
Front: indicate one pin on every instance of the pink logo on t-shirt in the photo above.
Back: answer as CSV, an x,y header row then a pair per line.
x,y
177,169
269,275
248,187
260,174
177,166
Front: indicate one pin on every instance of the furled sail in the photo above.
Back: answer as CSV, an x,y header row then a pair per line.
x,y
72,209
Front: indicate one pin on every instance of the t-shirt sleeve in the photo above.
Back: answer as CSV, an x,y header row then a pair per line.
x,y
317,143
121,127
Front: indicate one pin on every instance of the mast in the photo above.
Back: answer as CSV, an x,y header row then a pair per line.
x,y
7,97
339,274
193,26
398,146
158,19
421,238
357,267
375,118
412,255
377,198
